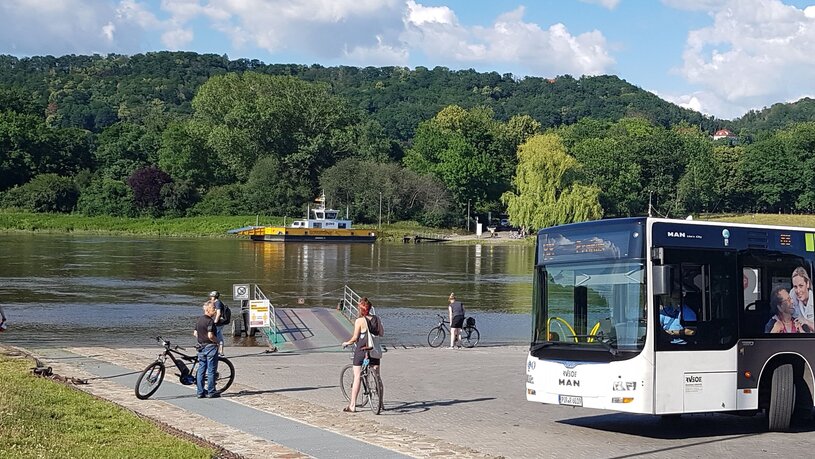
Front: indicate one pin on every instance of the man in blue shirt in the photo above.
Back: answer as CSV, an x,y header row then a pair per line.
x,y
671,317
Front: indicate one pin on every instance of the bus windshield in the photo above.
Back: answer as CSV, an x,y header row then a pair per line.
x,y
590,292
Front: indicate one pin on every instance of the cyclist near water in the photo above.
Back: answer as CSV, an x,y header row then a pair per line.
x,y
360,338
207,352
456,311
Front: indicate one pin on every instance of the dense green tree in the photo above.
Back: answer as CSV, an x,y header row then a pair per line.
x,y
105,196
222,200
273,189
244,118
44,193
125,147
185,157
470,152
361,186
546,192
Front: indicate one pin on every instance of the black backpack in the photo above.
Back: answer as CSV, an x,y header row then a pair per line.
x,y
226,315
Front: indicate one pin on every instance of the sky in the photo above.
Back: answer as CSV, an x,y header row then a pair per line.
x,y
719,57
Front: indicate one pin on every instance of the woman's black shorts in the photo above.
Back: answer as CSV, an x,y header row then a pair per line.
x,y
458,322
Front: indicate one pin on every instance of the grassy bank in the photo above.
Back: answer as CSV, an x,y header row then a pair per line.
x,y
212,226
42,418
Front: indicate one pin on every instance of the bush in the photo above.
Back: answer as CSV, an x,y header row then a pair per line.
x,y
44,193
176,198
146,184
104,196
222,200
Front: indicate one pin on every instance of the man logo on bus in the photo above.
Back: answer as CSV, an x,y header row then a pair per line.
x,y
676,234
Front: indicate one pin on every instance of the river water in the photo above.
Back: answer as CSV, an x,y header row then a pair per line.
x,y
83,289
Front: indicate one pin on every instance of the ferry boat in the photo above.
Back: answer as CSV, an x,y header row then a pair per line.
x,y
320,225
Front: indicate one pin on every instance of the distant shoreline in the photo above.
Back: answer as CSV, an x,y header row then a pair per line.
x,y
215,226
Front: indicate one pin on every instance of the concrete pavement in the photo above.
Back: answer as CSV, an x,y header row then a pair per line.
x,y
439,403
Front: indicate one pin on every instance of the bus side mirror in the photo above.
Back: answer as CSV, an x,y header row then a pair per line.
x,y
661,276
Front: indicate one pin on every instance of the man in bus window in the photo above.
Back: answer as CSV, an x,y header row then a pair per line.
x,y
782,321
801,294
671,317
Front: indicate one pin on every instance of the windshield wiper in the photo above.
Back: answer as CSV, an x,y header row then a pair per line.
x,y
611,349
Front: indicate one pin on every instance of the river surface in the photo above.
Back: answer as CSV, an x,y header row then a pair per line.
x,y
79,289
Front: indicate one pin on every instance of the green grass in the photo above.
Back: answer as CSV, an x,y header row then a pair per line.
x,y
209,226
807,221
43,418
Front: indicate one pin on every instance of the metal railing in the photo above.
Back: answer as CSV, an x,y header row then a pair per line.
x,y
350,300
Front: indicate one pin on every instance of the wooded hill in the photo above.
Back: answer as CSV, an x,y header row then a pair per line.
x,y
177,133
93,92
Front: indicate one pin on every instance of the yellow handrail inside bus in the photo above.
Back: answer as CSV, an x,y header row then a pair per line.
x,y
593,332
568,327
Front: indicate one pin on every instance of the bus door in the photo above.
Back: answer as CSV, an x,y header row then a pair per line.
x,y
696,328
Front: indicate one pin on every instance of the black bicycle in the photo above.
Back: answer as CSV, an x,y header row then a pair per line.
x,y
469,334
371,391
152,376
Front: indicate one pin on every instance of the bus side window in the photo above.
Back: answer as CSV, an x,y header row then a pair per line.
x,y
751,282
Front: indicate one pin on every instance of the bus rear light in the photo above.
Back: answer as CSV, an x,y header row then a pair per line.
x,y
748,391
622,399
748,375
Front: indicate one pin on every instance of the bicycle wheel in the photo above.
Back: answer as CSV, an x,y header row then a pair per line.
x,y
436,336
225,374
375,388
347,381
470,336
149,380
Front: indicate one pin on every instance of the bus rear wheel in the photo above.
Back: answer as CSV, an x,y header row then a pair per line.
x,y
782,399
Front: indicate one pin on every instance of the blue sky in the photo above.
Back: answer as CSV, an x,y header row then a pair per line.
x,y
721,57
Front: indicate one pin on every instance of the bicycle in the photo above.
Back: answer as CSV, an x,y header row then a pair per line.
x,y
469,334
371,391
152,376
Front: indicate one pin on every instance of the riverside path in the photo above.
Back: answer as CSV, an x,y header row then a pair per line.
x,y
439,403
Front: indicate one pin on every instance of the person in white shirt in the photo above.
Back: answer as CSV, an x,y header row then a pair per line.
x,y
803,309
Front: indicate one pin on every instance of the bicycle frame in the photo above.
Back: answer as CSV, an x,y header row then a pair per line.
x,y
179,361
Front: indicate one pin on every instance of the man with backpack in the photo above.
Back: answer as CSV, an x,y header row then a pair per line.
x,y
220,319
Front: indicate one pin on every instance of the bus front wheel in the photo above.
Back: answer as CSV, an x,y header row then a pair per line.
x,y
782,399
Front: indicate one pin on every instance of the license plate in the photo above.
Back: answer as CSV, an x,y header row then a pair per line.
x,y
570,400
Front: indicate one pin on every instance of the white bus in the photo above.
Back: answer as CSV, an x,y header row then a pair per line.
x,y
666,317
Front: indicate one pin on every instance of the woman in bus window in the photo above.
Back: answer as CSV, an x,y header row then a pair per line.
x,y
782,321
802,299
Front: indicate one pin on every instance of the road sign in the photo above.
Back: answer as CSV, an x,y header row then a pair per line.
x,y
240,292
259,313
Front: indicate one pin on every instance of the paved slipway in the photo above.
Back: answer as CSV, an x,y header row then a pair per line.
x,y
439,403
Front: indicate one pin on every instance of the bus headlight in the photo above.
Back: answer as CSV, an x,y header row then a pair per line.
x,y
622,399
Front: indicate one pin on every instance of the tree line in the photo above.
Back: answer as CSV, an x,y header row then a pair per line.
x,y
174,134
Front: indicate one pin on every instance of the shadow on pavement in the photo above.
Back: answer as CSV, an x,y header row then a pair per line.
x,y
273,391
421,406
684,427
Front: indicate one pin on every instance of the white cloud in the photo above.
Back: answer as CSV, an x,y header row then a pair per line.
x,y
755,53
609,4
420,15
695,5
39,27
510,41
